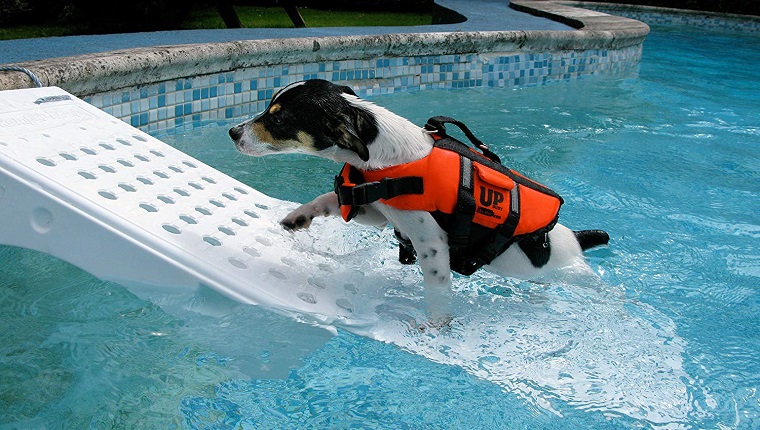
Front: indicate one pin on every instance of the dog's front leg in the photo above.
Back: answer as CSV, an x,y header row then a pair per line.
x,y
431,243
327,205
324,205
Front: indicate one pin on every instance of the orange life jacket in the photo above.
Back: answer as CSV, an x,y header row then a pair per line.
x,y
483,206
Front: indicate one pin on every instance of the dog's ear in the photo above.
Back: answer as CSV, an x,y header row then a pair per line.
x,y
347,90
354,130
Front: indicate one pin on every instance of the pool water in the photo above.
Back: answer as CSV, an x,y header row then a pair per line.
x,y
666,334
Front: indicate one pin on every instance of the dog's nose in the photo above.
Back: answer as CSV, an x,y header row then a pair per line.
x,y
236,132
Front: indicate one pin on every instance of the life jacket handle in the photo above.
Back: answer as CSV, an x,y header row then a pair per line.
x,y
436,125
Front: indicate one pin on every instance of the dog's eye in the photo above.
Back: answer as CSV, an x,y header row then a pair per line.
x,y
276,119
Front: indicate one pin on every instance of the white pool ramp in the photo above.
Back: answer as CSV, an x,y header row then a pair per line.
x,y
90,189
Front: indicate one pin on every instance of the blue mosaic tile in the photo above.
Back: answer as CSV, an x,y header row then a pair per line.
x,y
189,101
704,20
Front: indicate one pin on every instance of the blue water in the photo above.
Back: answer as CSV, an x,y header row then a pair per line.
x,y
668,162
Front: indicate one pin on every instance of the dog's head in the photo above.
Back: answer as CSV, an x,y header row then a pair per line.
x,y
309,116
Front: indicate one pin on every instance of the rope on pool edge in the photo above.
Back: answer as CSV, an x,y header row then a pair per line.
x,y
29,73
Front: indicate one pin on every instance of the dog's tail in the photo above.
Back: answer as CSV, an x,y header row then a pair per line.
x,y
591,238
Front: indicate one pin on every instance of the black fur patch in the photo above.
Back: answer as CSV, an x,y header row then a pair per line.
x,y
318,109
591,238
537,248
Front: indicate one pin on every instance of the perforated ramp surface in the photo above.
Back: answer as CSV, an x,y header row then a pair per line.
x,y
87,188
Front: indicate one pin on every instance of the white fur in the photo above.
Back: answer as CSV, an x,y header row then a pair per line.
x,y
398,140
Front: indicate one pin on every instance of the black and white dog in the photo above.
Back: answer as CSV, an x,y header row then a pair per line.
x,y
320,118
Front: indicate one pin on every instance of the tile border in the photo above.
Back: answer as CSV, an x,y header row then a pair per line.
x,y
190,102
669,16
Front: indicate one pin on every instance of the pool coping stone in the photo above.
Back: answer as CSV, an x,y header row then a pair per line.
x,y
94,73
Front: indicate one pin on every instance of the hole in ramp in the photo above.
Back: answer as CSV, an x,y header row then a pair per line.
x,y
253,252
211,240
188,219
277,274
171,229
226,230
148,207
237,263
307,297
107,194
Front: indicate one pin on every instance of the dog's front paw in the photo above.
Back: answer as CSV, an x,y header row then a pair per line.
x,y
296,221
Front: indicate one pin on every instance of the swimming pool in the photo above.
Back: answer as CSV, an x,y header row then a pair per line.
x,y
668,163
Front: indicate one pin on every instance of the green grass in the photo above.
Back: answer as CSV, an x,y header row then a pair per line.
x,y
32,31
250,16
275,17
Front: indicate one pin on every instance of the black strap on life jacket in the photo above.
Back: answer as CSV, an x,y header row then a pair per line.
x,y
367,192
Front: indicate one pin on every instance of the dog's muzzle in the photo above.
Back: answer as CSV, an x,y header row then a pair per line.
x,y
236,132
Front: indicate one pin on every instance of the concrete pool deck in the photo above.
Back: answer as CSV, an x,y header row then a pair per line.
x,y
144,58
482,15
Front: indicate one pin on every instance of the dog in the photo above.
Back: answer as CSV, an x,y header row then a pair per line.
x,y
328,120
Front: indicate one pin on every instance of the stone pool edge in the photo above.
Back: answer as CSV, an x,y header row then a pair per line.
x,y
90,74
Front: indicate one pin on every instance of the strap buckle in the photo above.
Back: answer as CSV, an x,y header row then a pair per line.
x,y
369,192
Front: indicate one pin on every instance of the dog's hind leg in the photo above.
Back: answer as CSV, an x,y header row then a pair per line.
x,y
431,245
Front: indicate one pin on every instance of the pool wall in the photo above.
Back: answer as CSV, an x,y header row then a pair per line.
x,y
668,16
186,85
